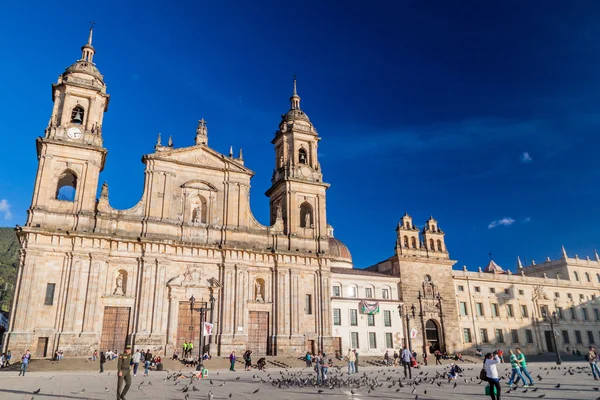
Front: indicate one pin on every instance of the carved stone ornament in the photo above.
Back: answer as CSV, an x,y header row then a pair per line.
x,y
194,275
539,293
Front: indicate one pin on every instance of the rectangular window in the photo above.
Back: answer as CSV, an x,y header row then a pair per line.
x,y
585,314
49,294
544,311
354,340
596,314
385,293
569,296
565,335
483,334
372,340
557,295
461,288
371,319
514,335
495,310
336,291
467,335
479,308
354,317
578,337
506,291
581,297
521,292
387,318
368,293
499,336
389,341
529,335
510,311
524,312
492,290
337,316
351,291
590,337
309,304
463,308
477,289
573,314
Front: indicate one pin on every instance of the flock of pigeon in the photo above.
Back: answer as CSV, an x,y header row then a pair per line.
x,y
372,382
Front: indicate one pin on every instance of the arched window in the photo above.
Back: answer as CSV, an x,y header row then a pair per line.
x,y
306,216
67,186
406,242
199,211
598,277
77,115
413,243
576,275
587,277
439,245
302,158
431,246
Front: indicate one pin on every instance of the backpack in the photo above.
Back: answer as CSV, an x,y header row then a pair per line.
x,y
458,369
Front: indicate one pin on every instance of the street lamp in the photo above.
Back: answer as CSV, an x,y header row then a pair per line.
x,y
439,299
552,319
407,316
202,309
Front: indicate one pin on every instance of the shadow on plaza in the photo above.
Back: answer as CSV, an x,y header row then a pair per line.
x,y
22,392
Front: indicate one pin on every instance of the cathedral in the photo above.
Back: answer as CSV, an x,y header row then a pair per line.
x,y
190,263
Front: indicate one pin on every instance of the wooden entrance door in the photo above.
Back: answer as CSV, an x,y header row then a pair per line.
x,y
115,328
337,345
549,343
42,347
188,327
258,332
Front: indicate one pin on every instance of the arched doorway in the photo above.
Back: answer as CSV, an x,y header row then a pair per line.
x,y
432,335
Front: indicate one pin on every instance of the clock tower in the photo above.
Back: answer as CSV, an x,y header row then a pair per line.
x,y
297,189
70,154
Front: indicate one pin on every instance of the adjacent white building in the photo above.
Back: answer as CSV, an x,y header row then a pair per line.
x,y
365,311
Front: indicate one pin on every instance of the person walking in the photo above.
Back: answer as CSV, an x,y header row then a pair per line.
x,y
136,359
523,366
592,359
351,359
405,357
185,349
356,361
25,362
123,373
516,369
386,358
232,361
491,360
147,361
438,357
308,359
248,360
102,361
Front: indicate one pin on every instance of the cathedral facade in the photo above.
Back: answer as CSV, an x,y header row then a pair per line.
x,y
93,277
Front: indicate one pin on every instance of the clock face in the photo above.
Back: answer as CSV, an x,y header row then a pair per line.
x,y
74,133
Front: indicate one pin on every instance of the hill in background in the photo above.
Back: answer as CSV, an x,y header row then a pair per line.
x,y
9,261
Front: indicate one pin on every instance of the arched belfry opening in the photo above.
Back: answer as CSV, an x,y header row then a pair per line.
x,y
66,188
302,156
77,115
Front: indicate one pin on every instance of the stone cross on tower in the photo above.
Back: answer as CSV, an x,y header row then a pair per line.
x,y
202,132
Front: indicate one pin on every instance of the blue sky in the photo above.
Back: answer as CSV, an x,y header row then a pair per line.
x,y
482,114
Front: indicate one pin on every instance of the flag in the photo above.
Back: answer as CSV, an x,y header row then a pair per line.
x,y
208,329
413,333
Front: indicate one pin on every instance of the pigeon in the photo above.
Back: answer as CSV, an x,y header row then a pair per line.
x,y
256,391
106,390
557,386
36,391
210,395
230,395
187,396
541,396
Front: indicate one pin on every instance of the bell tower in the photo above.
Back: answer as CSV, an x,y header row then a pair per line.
x,y
70,154
297,188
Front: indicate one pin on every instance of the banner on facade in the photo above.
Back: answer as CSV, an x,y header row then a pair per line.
x,y
208,329
413,333
370,308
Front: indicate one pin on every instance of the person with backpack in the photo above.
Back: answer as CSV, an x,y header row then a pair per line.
x,y
490,374
454,371
592,359
516,370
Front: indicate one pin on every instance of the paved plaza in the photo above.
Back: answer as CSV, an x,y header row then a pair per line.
x,y
578,384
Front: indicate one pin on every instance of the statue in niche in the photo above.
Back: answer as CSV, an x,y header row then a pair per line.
x,y
119,291
278,210
307,223
258,297
197,214
280,161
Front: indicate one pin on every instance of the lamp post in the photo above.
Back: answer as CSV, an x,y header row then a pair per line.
x,y
192,303
552,319
407,316
202,309
439,306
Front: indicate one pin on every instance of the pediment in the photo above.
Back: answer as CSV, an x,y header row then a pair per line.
x,y
201,156
199,184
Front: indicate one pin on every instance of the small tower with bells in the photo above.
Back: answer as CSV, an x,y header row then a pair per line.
x,y
71,155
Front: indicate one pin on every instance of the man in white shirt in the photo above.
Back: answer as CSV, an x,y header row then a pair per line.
x,y
136,358
405,357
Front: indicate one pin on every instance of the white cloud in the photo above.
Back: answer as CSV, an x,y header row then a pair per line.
x,y
5,208
506,221
526,158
